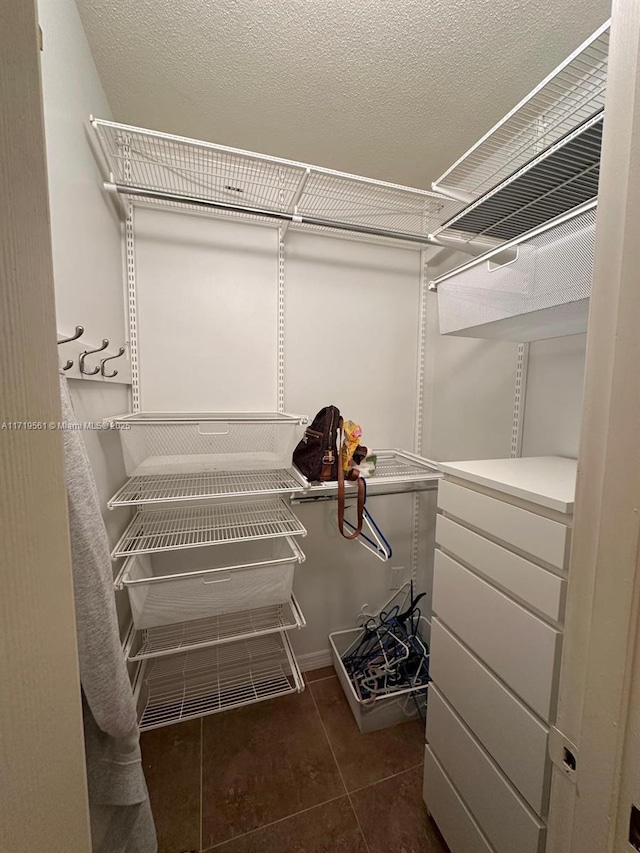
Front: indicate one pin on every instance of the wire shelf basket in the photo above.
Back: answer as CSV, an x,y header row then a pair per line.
x,y
213,631
198,683
154,530
165,588
163,443
543,293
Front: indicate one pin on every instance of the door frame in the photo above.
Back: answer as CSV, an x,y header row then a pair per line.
x,y
42,766
599,664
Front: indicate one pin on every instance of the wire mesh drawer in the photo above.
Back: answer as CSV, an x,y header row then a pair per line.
x,y
165,588
190,443
543,293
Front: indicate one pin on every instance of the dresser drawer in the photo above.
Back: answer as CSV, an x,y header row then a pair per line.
x,y
540,589
541,537
504,817
453,818
521,649
513,736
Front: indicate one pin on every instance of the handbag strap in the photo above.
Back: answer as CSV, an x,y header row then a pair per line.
x,y
341,493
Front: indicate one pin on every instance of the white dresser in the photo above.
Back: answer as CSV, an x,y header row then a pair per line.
x,y
503,536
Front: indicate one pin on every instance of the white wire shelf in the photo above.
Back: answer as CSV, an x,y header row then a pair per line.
x,y
198,683
396,471
562,178
219,630
174,165
169,488
565,99
196,527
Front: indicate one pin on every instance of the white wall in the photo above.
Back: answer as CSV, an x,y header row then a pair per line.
x,y
470,394
207,313
207,299
553,407
87,254
351,340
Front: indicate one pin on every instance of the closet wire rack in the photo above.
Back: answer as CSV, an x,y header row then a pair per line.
x,y
193,527
570,95
167,488
396,471
561,179
196,684
217,630
150,168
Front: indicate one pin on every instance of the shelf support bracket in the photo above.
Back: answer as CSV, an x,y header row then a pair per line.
x,y
293,208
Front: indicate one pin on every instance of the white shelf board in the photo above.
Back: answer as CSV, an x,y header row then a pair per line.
x,y
548,481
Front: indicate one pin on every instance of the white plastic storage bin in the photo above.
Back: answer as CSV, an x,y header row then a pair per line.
x,y
165,588
196,442
384,711
543,293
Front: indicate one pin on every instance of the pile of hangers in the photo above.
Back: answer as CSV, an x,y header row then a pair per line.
x,y
389,656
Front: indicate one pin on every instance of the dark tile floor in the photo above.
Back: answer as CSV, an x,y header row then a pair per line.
x,y
291,775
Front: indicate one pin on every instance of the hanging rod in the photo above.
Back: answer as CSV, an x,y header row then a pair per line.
x,y
299,219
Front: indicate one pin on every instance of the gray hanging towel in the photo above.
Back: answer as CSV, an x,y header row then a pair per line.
x,y
121,819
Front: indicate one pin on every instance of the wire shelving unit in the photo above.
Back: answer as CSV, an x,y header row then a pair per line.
x,y
558,180
195,527
572,94
153,168
542,160
169,488
396,471
198,683
217,630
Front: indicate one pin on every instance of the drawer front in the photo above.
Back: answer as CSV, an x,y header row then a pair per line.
x,y
520,648
453,818
513,736
537,587
541,537
506,820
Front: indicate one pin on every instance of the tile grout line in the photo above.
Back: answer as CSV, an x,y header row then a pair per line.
x,y
318,680
273,823
326,734
386,778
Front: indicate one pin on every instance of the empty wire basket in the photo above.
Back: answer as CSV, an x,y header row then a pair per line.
x,y
197,442
165,588
543,293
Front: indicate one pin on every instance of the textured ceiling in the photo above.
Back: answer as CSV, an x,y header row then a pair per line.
x,y
391,89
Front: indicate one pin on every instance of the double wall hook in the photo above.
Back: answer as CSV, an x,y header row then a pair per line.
x,y
110,358
77,334
83,355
